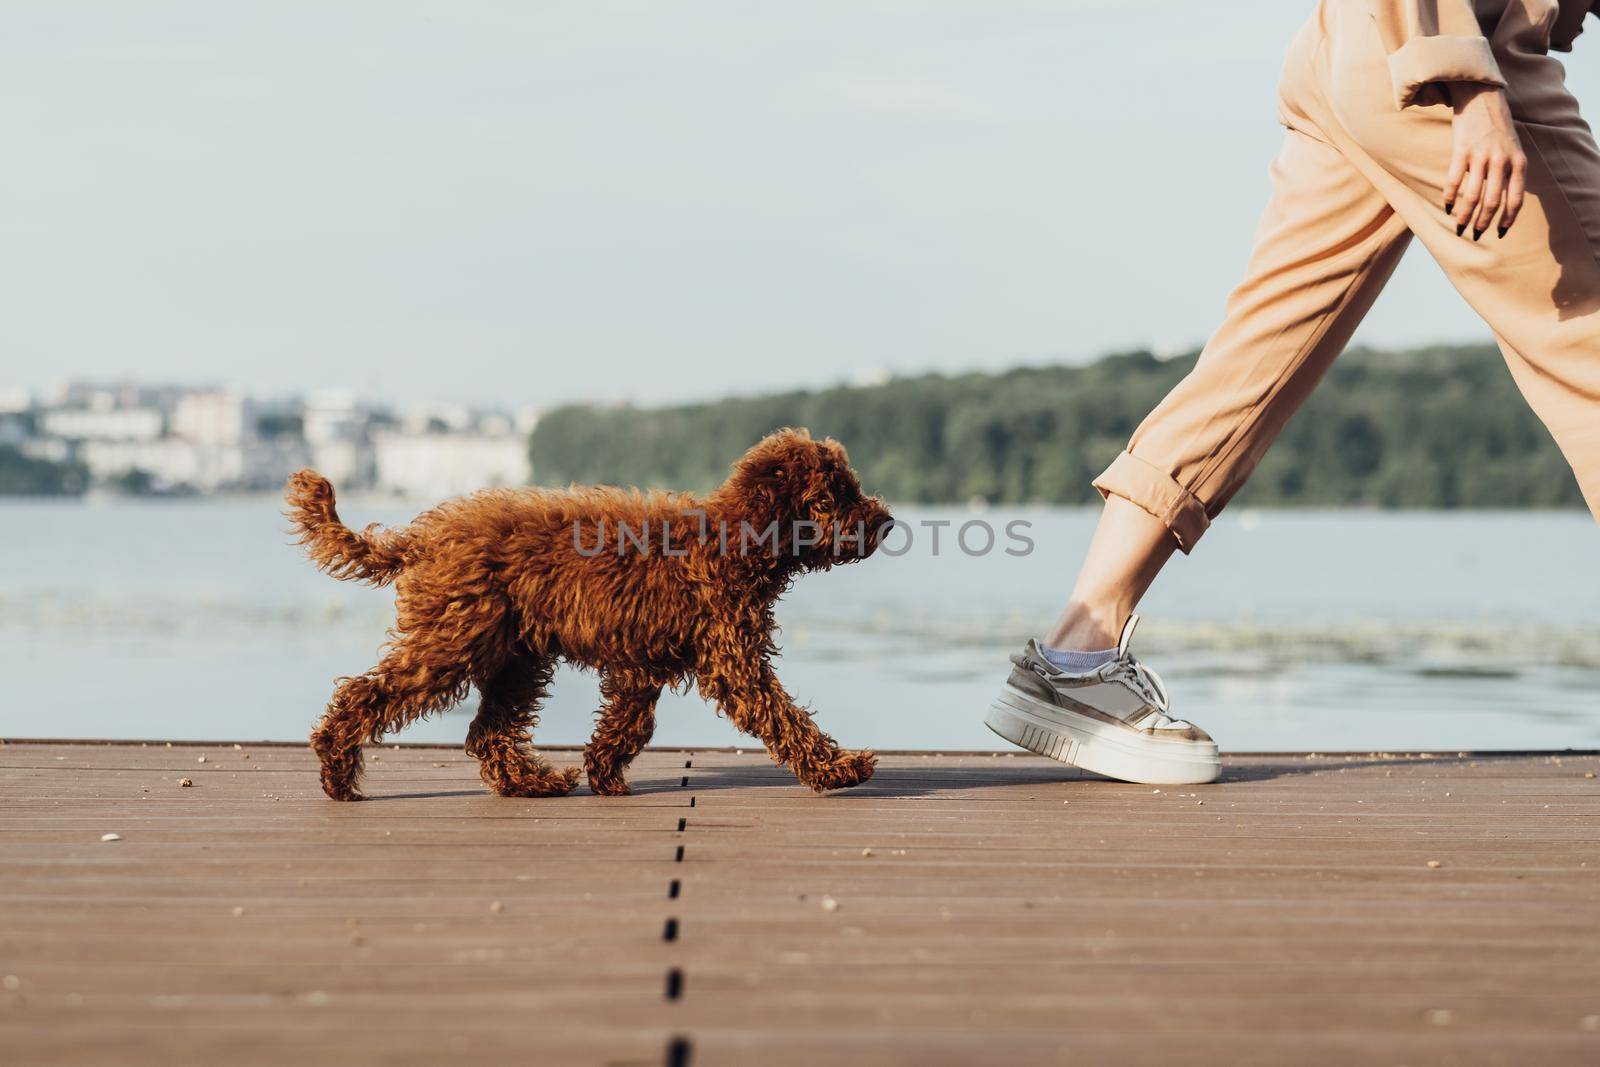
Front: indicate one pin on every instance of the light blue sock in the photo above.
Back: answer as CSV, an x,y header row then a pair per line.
x,y
1074,662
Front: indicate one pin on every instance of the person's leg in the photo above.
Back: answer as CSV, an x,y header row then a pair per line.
x,y
1129,548
1538,287
1324,249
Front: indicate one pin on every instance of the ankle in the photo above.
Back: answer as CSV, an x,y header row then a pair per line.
x,y
1087,627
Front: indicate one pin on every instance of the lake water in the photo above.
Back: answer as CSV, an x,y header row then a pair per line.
x,y
1286,630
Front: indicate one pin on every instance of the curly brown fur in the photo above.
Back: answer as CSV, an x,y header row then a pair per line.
x,y
492,590
335,548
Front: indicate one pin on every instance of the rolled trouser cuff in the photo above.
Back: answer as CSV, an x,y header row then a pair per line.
x,y
1154,490
1434,60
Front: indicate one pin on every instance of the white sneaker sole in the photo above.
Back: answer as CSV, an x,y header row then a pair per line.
x,y
1100,747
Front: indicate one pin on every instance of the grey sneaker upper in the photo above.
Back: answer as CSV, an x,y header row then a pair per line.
x,y
1123,692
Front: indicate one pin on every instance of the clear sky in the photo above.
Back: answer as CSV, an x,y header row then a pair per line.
x,y
544,200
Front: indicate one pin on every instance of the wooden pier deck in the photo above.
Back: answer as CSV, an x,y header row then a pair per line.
x,y
975,908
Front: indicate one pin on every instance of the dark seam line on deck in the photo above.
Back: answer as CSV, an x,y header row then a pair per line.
x,y
680,1050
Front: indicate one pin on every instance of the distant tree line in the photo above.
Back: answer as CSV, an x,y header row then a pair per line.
x,y
1439,427
24,475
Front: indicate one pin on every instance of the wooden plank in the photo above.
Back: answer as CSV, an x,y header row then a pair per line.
x,y
957,908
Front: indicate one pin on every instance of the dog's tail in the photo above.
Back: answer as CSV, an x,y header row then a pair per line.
x,y
371,555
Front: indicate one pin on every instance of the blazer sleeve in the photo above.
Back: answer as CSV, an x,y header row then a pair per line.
x,y
1431,42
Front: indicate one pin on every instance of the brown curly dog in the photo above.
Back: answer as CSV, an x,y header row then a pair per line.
x,y
649,589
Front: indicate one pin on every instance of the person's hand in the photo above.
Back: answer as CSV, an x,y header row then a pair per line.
x,y
1488,167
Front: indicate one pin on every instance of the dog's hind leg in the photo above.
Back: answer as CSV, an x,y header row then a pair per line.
x,y
500,737
337,739
397,691
627,721
750,695
426,669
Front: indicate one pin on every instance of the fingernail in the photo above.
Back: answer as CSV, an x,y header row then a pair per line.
x,y
1503,230
1450,208
1476,234
1461,229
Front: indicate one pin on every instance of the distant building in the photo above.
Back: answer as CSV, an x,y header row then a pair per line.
x,y
164,464
104,424
227,428
333,415
214,417
432,466
438,418
15,401
337,432
50,449
97,396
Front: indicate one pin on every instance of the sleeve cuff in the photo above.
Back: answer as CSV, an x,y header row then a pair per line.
x,y
1430,60
1157,492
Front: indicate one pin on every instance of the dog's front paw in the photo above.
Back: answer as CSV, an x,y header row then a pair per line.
x,y
845,770
342,791
340,768
339,780
605,775
543,781
608,785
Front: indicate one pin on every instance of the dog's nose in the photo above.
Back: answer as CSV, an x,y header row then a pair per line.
x,y
877,523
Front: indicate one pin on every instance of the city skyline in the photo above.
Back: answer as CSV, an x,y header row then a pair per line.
x,y
149,439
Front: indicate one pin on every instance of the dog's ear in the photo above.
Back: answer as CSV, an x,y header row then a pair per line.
x,y
829,484
842,483
771,479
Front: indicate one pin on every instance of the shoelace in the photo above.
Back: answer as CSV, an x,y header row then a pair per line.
x,y
1128,670
1144,681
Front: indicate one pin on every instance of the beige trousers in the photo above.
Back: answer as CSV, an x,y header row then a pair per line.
x,y
1357,177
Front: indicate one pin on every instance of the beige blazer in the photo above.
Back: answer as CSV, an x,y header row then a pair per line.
x,y
1435,41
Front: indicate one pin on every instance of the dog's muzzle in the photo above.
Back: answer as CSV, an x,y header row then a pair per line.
x,y
876,520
